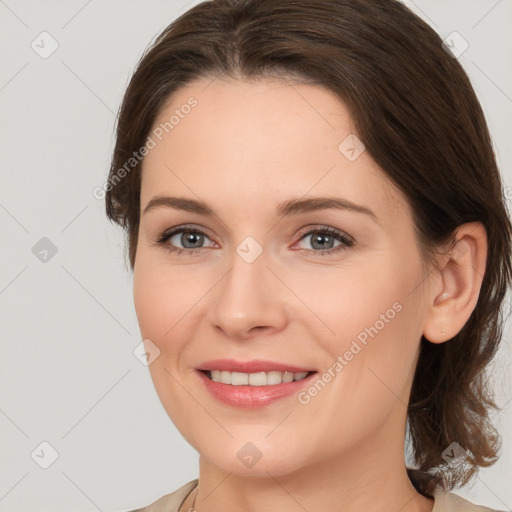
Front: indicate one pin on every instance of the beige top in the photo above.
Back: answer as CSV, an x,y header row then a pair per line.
x,y
443,502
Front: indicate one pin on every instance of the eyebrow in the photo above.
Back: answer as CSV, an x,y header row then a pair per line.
x,y
286,208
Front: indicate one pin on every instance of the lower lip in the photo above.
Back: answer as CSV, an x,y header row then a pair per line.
x,y
252,397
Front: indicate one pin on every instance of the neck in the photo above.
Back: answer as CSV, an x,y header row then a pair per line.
x,y
371,476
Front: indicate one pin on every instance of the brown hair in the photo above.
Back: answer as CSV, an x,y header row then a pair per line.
x,y
418,116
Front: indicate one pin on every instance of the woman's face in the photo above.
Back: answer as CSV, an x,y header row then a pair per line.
x,y
260,279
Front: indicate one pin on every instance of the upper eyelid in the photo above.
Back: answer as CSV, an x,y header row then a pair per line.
x,y
186,227
323,229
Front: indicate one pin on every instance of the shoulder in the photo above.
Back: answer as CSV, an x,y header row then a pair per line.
x,y
451,502
170,502
443,502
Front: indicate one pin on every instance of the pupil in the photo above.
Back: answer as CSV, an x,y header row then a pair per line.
x,y
318,239
191,238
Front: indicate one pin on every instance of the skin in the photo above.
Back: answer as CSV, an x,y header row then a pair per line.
x,y
246,147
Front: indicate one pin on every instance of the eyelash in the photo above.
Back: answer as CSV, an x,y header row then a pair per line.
x,y
346,242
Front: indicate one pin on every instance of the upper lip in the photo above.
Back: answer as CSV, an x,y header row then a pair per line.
x,y
253,366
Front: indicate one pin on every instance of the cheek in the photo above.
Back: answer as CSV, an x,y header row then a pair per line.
x,y
152,302
375,328
161,299
359,303
159,306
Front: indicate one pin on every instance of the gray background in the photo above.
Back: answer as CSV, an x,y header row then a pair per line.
x,y
68,373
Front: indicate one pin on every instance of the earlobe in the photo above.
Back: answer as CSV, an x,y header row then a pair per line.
x,y
457,284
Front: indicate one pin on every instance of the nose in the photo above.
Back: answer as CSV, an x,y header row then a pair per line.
x,y
249,301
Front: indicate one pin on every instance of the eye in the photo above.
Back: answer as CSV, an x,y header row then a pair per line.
x,y
323,239
190,238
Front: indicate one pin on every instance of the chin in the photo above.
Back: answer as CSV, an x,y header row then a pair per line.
x,y
243,457
273,465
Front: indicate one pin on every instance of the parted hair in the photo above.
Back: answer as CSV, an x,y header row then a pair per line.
x,y
418,116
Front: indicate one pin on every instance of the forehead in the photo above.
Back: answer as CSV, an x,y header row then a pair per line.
x,y
250,144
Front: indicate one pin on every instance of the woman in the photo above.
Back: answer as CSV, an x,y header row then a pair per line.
x,y
320,246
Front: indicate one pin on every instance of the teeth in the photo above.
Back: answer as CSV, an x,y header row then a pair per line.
x,y
255,379
238,379
258,379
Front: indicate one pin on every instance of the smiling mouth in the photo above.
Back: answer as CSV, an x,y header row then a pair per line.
x,y
255,379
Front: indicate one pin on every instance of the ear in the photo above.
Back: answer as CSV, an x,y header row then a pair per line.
x,y
456,286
